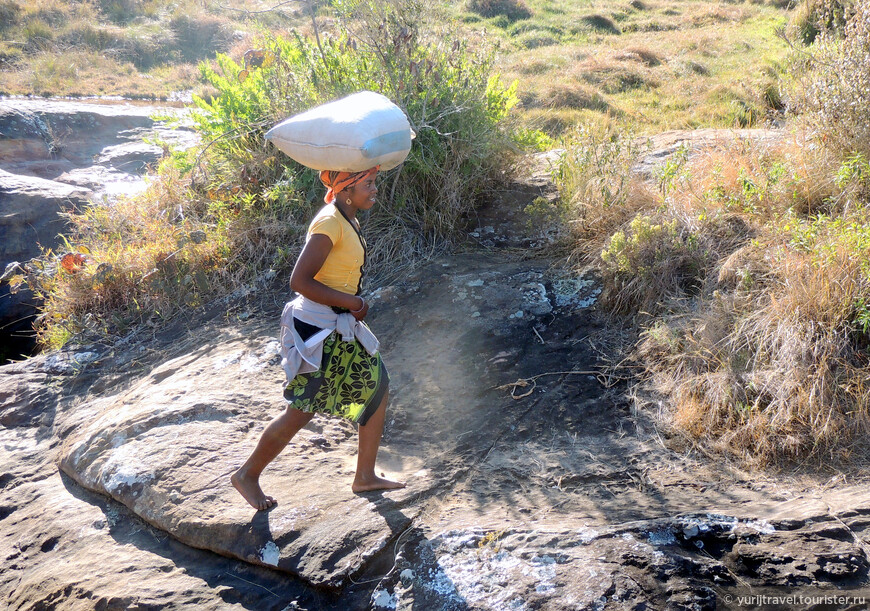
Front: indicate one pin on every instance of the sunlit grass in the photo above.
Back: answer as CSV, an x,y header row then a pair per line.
x,y
55,47
658,63
658,77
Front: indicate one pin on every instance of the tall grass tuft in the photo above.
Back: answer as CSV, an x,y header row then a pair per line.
x,y
512,10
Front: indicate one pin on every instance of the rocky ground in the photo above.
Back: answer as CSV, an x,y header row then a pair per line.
x,y
533,482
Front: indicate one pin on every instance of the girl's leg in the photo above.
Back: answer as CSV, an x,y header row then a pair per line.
x,y
276,436
369,442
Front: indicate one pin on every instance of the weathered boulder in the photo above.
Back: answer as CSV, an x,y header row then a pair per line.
x,y
38,137
30,213
663,146
699,561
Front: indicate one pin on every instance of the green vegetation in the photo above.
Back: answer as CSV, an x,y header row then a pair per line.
x,y
132,48
745,267
234,210
658,65
652,65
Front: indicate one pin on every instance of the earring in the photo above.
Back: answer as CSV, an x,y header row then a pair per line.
x,y
347,201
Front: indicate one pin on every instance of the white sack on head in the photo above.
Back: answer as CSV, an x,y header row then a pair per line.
x,y
349,135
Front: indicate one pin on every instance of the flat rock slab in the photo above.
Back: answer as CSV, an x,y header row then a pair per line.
x,y
693,561
166,447
50,138
694,141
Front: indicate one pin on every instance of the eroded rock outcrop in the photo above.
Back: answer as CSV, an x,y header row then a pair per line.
x,y
58,155
165,448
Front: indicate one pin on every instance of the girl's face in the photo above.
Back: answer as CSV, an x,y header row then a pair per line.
x,y
362,194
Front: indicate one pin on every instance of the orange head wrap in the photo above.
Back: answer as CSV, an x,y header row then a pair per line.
x,y
336,182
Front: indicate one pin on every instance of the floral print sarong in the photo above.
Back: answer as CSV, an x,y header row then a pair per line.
x,y
351,383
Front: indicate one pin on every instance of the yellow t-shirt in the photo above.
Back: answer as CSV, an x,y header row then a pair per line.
x,y
342,269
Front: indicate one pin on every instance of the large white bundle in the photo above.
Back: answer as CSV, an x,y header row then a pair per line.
x,y
350,135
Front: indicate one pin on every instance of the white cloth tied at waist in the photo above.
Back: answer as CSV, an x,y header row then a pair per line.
x,y
299,356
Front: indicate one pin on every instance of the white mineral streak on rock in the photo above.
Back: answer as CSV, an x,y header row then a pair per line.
x,y
381,599
270,553
762,526
663,536
469,574
124,468
226,361
251,363
586,534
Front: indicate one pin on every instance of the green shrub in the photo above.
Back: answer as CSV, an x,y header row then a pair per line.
x,y
837,94
446,88
649,262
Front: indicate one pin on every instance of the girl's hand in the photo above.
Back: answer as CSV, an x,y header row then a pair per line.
x,y
362,311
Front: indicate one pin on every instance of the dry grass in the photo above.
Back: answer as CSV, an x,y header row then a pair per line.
x,y
134,251
746,266
653,63
773,371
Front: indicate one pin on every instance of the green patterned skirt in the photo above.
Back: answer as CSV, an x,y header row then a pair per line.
x,y
350,383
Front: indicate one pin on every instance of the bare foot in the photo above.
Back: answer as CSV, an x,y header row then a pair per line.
x,y
374,483
250,489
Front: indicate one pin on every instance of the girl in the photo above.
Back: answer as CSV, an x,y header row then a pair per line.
x,y
328,353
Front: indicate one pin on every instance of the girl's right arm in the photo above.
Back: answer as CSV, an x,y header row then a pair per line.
x,y
302,280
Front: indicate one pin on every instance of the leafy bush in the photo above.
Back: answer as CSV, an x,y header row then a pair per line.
x,y
455,106
837,94
650,262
